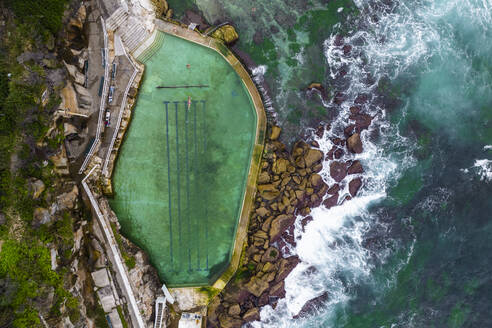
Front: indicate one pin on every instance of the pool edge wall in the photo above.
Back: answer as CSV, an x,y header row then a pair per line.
x,y
256,153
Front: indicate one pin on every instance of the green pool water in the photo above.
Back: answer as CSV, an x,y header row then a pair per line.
x,y
181,173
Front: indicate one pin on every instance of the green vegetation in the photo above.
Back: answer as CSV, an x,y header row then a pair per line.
x,y
45,15
129,260
26,277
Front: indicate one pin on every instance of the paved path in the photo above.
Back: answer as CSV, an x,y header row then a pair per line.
x,y
115,257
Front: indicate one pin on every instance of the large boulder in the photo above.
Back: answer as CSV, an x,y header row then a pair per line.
x,y
257,286
229,322
68,200
270,255
226,33
279,224
338,171
331,201
312,156
354,186
268,191
275,132
354,144
280,166
252,315
285,267
355,168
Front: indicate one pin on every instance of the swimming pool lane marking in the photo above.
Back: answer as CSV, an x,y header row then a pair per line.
x,y
204,126
179,173
197,190
169,183
187,185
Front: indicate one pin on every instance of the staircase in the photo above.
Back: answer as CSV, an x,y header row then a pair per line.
x,y
159,311
117,18
152,49
133,34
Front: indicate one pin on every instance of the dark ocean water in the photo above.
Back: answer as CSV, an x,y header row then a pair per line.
x,y
414,248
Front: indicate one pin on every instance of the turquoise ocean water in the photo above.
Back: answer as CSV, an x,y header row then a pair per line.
x,y
414,248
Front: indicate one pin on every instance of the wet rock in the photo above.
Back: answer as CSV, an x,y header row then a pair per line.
x,y
305,221
275,132
354,144
320,130
286,266
279,224
338,153
278,290
41,216
252,315
338,41
362,121
312,305
355,168
339,98
354,110
334,189
346,49
331,201
360,99
338,170
226,33
354,186
349,130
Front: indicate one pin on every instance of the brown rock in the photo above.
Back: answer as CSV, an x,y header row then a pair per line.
x,y
354,186
286,266
362,121
229,322
338,153
331,201
262,212
317,168
226,33
355,168
312,305
279,224
354,110
275,132
256,286
316,180
338,171
234,310
278,290
312,156
270,255
354,144
263,178
305,221
334,189
268,191
252,315
280,166
37,187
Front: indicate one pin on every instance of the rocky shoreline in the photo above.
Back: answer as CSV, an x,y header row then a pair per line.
x,y
289,186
